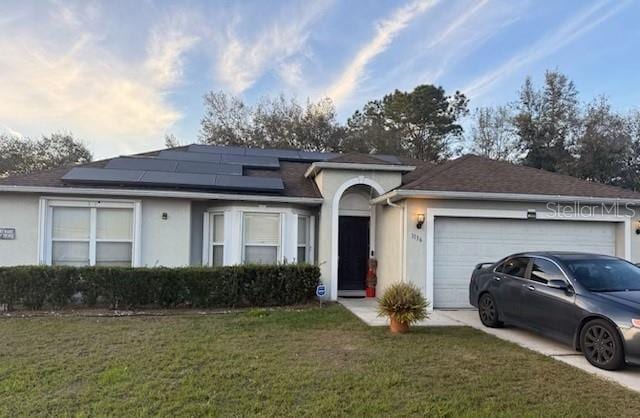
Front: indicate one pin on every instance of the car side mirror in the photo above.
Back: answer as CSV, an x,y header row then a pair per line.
x,y
557,284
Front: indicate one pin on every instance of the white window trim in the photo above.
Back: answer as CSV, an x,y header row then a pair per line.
x,y
234,233
209,224
309,245
45,212
281,222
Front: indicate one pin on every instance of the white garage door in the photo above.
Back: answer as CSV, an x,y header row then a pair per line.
x,y
461,243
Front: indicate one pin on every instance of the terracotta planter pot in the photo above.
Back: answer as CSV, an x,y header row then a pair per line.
x,y
371,292
398,327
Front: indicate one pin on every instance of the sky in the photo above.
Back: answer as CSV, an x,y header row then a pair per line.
x,y
121,75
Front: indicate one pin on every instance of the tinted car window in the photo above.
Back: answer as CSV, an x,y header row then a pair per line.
x,y
515,266
605,274
544,270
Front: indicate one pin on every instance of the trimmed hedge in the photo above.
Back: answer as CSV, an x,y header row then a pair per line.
x,y
36,287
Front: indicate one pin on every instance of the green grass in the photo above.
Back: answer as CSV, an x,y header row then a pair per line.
x,y
309,362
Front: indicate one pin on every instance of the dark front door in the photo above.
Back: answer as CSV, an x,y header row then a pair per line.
x,y
353,252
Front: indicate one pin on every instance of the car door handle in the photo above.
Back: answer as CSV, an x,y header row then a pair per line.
x,y
529,287
496,278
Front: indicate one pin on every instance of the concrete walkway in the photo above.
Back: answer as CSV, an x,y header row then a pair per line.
x,y
366,310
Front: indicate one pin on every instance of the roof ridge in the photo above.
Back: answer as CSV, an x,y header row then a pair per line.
x,y
439,170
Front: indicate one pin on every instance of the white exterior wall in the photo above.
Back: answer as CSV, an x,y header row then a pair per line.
x,y
388,246
19,211
331,183
167,242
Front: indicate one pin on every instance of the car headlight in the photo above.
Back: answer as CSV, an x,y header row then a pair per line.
x,y
636,323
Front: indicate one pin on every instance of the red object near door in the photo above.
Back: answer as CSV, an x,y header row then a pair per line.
x,y
371,292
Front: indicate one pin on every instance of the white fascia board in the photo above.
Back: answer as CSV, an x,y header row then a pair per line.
x,y
160,193
315,168
400,194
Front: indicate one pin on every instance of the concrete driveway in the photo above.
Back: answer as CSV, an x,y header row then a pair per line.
x,y
365,309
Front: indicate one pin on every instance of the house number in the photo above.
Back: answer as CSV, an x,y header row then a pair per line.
x,y
7,233
416,237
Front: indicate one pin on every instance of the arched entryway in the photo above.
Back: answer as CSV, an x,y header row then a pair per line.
x,y
353,235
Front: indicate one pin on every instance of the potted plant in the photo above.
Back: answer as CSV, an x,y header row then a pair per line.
x,y
404,305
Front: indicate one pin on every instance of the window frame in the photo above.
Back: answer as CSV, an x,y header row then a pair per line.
x,y
45,230
308,243
212,234
564,275
244,244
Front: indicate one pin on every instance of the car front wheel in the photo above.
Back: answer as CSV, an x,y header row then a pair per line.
x,y
601,345
488,311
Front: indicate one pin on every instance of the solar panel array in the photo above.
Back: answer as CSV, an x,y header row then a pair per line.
x,y
196,167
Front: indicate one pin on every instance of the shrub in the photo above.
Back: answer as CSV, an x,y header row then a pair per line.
x,y
404,302
35,287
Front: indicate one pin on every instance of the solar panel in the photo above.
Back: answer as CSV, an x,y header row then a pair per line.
x,y
251,161
142,164
208,168
282,154
213,149
158,178
99,175
250,183
189,156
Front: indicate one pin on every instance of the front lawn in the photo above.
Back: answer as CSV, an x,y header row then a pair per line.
x,y
312,361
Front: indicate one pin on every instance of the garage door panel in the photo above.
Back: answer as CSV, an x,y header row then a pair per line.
x,y
461,243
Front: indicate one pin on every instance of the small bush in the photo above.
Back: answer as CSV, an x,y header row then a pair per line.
x,y
404,302
35,287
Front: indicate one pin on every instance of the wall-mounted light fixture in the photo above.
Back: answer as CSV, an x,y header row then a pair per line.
x,y
420,217
637,227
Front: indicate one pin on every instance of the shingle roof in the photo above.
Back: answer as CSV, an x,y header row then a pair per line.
x,y
472,173
469,173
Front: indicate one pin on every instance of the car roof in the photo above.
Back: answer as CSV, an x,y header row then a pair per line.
x,y
562,255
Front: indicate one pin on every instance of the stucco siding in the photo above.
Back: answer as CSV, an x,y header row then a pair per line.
x,y
388,246
19,211
166,242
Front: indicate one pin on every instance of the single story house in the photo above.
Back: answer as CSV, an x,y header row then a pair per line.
x,y
208,205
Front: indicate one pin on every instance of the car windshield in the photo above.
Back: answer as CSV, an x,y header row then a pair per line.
x,y
605,274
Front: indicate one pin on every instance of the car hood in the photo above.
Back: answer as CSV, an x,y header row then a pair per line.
x,y
630,299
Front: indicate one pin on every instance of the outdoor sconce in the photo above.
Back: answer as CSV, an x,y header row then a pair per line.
x,y
638,228
420,221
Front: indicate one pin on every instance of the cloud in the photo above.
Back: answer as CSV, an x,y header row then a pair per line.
x,y
457,24
53,79
242,60
165,50
571,30
386,31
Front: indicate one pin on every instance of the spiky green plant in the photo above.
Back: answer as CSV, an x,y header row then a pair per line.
x,y
404,302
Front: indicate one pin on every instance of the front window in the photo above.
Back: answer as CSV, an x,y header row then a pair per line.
x,y
261,238
81,235
605,274
303,239
217,239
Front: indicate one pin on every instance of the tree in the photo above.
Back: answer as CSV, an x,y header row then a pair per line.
x,y
493,133
25,155
277,123
419,124
603,146
170,141
546,122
